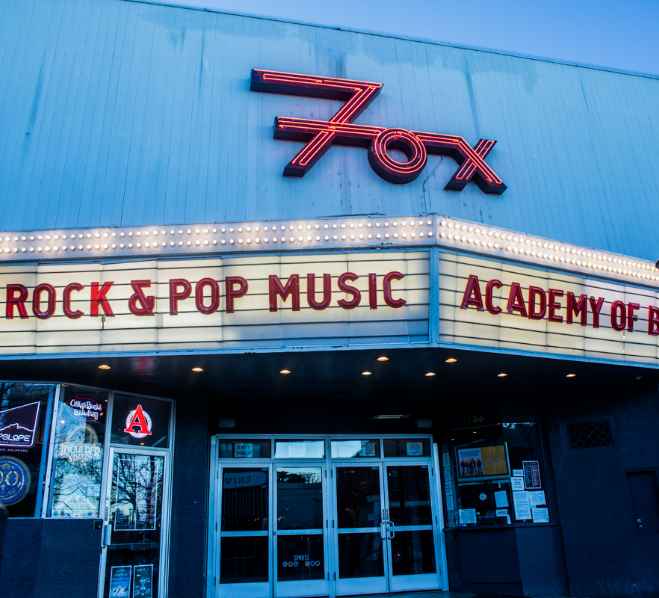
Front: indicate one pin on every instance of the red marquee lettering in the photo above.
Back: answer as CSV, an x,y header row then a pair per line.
x,y
653,320
49,289
388,297
632,308
69,312
554,305
311,291
577,307
139,303
618,318
349,289
236,286
491,285
516,300
596,307
16,297
472,294
373,290
277,289
179,290
99,299
537,303
199,296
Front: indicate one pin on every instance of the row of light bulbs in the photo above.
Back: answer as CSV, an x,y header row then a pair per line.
x,y
494,240
338,232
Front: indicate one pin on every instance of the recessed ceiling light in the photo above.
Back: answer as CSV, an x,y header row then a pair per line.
x,y
451,360
285,372
391,416
197,369
502,375
104,367
430,374
367,373
382,358
571,375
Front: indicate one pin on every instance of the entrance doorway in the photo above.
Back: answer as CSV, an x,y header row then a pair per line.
x,y
324,516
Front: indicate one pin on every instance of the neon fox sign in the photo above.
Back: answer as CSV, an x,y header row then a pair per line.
x,y
357,95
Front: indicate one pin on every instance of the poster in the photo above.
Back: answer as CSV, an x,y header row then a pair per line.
x,y
143,582
482,462
522,506
517,483
120,581
532,475
540,514
467,516
537,498
501,499
414,449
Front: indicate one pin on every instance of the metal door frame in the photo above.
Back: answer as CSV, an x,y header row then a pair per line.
x,y
329,498
163,567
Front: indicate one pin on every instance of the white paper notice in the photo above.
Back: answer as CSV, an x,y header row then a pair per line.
x,y
518,473
537,498
503,513
501,499
522,506
467,516
540,514
517,483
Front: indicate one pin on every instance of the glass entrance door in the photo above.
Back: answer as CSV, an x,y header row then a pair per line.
x,y
244,542
299,539
360,530
133,534
409,528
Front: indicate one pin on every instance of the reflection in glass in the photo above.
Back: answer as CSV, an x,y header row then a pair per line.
x,y
300,557
406,447
413,553
358,496
78,453
137,486
299,498
244,449
409,495
360,555
348,449
244,560
244,499
299,449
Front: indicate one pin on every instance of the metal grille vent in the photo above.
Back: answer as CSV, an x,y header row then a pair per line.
x,y
590,434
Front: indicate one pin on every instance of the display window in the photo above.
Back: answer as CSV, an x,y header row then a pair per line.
x,y
78,449
494,475
23,438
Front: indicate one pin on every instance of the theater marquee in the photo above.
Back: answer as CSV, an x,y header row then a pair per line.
x,y
214,303
502,305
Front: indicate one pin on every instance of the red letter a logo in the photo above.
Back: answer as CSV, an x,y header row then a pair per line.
x,y
138,423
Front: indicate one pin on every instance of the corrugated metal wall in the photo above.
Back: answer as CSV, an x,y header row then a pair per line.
x,y
119,113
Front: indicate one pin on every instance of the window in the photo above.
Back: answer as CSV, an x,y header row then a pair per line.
x,y
23,442
77,468
493,475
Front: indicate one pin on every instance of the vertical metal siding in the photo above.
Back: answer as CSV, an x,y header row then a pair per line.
x,y
117,113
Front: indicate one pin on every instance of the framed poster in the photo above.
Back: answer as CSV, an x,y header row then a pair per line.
x,y
120,577
143,581
532,475
483,462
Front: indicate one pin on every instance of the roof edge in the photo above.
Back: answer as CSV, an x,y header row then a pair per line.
x,y
594,67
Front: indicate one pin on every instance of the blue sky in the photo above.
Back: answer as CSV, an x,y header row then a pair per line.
x,y
621,34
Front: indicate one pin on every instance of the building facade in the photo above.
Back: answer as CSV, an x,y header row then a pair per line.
x,y
294,311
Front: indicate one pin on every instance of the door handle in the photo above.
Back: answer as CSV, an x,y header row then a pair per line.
x,y
106,535
392,530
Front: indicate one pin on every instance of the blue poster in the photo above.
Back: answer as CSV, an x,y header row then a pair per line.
x,y
14,480
120,581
